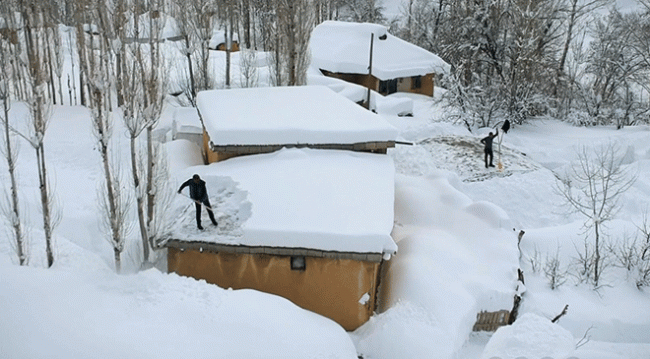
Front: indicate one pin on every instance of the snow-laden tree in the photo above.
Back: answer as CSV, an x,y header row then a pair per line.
x,y
574,11
503,50
363,11
613,68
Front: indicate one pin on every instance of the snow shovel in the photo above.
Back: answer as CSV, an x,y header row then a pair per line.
x,y
504,130
499,163
196,201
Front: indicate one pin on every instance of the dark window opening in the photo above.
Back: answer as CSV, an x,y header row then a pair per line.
x,y
298,263
388,87
416,82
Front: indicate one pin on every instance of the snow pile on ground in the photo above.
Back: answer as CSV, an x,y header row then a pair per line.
x,y
530,336
456,258
80,308
63,312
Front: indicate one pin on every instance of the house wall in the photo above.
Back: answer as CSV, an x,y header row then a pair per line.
x,y
330,287
367,81
403,84
210,156
234,47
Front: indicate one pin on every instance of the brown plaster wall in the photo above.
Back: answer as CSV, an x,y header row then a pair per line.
x,y
210,156
367,81
234,47
403,84
330,287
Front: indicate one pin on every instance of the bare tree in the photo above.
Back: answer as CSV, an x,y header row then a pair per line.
x,y
132,92
197,21
142,90
36,57
154,80
593,187
249,76
94,56
290,43
574,11
9,150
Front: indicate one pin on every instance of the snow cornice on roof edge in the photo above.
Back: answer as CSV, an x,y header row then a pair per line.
x,y
289,117
344,47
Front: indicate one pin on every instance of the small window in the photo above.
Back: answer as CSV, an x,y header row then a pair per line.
x,y
298,263
416,82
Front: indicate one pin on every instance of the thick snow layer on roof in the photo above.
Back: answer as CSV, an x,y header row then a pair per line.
x,y
288,115
345,48
301,198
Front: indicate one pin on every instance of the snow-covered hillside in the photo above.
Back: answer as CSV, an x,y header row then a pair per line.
x,y
457,255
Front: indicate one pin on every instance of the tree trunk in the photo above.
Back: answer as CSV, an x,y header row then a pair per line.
x,y
110,193
139,201
190,69
20,243
45,203
565,50
151,195
597,255
118,260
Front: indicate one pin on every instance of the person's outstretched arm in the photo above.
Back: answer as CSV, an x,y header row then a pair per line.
x,y
185,184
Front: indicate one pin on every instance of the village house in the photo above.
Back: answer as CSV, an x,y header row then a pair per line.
x,y
261,120
321,192
218,41
342,50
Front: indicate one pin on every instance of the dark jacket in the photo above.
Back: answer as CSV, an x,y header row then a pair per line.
x,y
487,141
197,190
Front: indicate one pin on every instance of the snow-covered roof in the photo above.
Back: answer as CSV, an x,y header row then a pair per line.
x,y
219,37
288,115
186,120
344,47
326,200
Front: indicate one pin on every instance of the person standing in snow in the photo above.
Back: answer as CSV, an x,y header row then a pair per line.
x,y
487,141
199,193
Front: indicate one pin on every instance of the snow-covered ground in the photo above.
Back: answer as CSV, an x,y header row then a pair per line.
x,y
456,227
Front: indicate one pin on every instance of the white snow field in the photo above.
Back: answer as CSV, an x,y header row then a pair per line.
x,y
456,256
455,227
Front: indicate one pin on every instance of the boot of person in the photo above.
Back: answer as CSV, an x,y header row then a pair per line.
x,y
214,221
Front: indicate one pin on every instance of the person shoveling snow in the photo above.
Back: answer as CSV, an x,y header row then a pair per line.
x,y
487,141
199,193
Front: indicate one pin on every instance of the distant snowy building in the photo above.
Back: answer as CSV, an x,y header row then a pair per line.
x,y
218,41
342,50
316,200
187,125
266,119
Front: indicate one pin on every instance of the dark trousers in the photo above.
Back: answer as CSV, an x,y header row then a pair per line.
x,y
205,202
488,153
